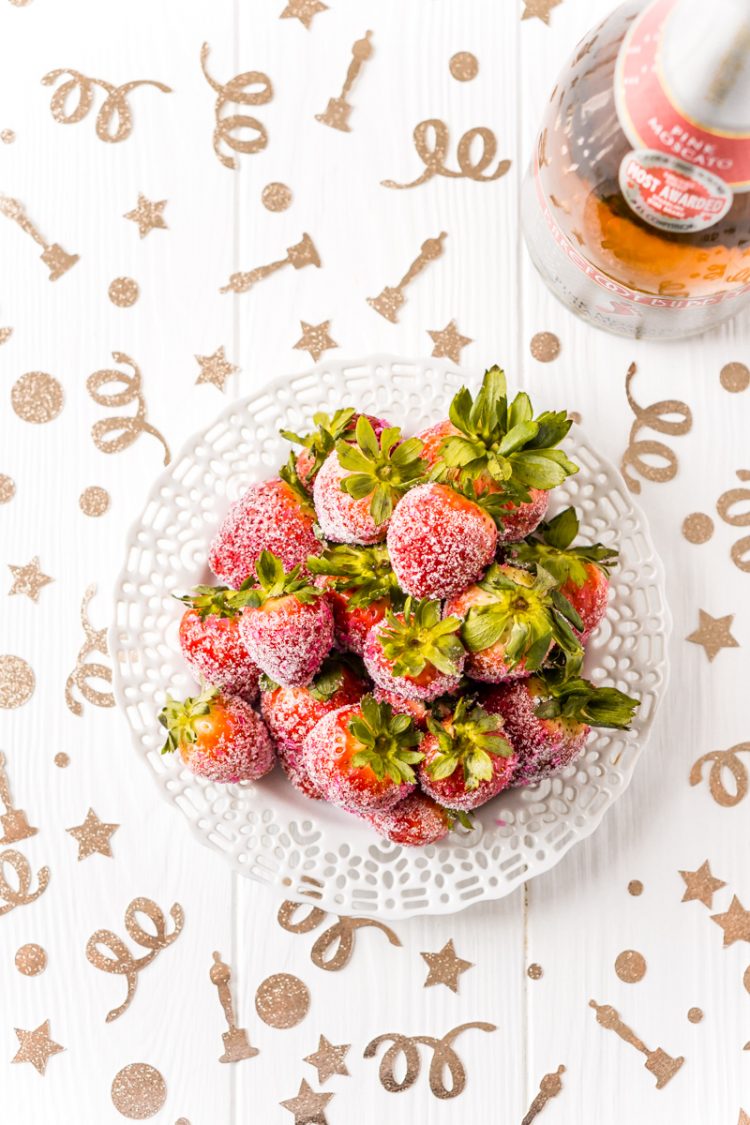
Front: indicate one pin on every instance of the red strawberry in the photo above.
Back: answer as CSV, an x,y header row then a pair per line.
x,y
403,706
520,520
433,439
219,737
211,643
413,822
360,585
416,653
361,756
359,484
439,541
287,625
317,445
273,515
467,760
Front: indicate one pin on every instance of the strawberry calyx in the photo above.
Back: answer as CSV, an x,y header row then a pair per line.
x,y
419,636
212,601
180,717
385,741
326,683
495,504
329,428
468,739
274,582
365,573
382,469
584,702
290,477
550,546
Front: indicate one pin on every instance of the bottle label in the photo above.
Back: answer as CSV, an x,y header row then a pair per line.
x,y
671,194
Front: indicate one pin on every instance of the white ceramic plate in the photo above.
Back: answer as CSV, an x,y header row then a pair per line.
x,y
268,831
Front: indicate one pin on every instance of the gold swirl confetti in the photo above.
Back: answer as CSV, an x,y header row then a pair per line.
x,y
449,343
236,1042
19,893
658,1062
722,760
31,959
127,429
550,1086
740,552
630,966
654,417
14,821
138,1091
713,634
94,501
7,489
464,66
302,254
303,10
697,527
36,1047
544,347
276,197
338,110
539,9
37,397
17,682
444,1058
339,937
432,140
114,121
93,836
236,91
95,641
315,339
123,292
735,377
57,260
282,1000
389,302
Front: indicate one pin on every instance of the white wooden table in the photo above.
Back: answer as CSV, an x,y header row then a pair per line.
x,y
574,921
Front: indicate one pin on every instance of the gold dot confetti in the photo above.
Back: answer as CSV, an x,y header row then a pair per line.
x,y
31,959
93,836
18,892
449,342
549,1087
5,334
464,66
701,885
94,501
697,527
735,922
29,580
14,821
432,141
215,369
445,967
147,215
236,90
302,254
282,1000
695,1015
308,1106
328,1060
735,377
37,397
445,1059
7,136
237,1044
659,417
95,640
138,1091
535,972
125,429
114,121
36,1047
276,197
62,760
630,966
315,339
338,110
635,887
725,765
539,9
16,682
303,10
713,634
658,1062
544,347
390,300
123,292
57,260
7,489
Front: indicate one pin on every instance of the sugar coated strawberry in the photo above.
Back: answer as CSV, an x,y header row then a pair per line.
x,y
361,586
512,621
287,624
467,757
361,757
439,541
418,710
320,442
273,515
521,519
417,652
211,643
359,484
432,441
413,822
218,736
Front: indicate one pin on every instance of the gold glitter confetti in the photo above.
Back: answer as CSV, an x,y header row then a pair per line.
x,y
444,1059
341,934
7,489
697,527
464,66
635,887
630,966
236,91
36,1047
713,634
338,110
93,836
31,959
95,641
215,368
735,377
695,1015
62,760
315,339
723,760
535,972
94,501
445,967
449,342
308,1107
282,1000
302,254
328,1060
740,552
123,963
539,9
392,298
19,892
544,347
432,140
138,1091
744,1119
701,885
127,429
16,682
14,821
37,397
147,215
550,1086
114,121
123,292
57,260
303,10
655,417
7,136
5,334
29,579
236,1042
276,197
735,922
658,1062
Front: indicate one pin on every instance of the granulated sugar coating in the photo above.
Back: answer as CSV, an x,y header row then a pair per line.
x,y
243,752
292,762
521,521
414,707
428,685
452,791
306,457
214,652
343,519
544,746
290,713
352,625
268,517
288,640
439,541
413,822
590,600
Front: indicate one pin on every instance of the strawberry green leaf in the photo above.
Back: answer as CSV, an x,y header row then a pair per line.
x,y
383,742
419,637
365,572
467,739
383,471
584,702
322,440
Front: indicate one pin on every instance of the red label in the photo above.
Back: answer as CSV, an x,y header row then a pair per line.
x,y
671,194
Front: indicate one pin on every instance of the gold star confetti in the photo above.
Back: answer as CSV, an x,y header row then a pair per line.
x,y
315,339
282,1000
36,1047
735,922
29,579
147,215
445,967
215,368
701,886
93,836
713,634
138,1091
308,1107
17,682
303,10
449,342
328,1059
539,9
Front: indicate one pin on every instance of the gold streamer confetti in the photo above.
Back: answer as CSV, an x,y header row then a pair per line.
x,y
722,760
14,821
29,580
713,634
31,959
740,552
697,527
328,1060
544,347
123,292
93,836
17,682
94,501
57,260
444,1058
236,91
95,641
19,894
445,967
338,110
138,1091
630,966
392,297
36,1047
654,417
340,936
449,343
735,377
282,1000
114,121
658,1062
464,66
128,429
302,254
432,140
315,339
236,1042
37,397
308,1106
276,197
550,1086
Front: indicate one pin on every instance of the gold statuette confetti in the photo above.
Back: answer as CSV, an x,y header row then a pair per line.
x,y
328,1060
315,339
658,1062
94,501
236,1042
31,960
449,343
308,1106
16,682
282,1000
37,397
697,527
7,489
114,121
701,885
544,347
740,552
735,922
126,429
735,377
19,893
303,10
123,963
392,297
338,110
432,140
550,1086
445,967
123,292
15,823
93,836
138,1091
464,66
340,936
655,417
444,1058
302,254
538,9
713,634
57,260
29,580
276,197
95,640
147,215
215,368
36,1047
724,760
630,966
236,90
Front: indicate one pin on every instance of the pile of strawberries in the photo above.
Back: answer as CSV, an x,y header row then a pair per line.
x,y
397,624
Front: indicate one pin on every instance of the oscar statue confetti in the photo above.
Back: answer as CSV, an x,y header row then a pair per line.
x,y
14,821
302,254
236,1042
658,1062
389,302
57,260
338,109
